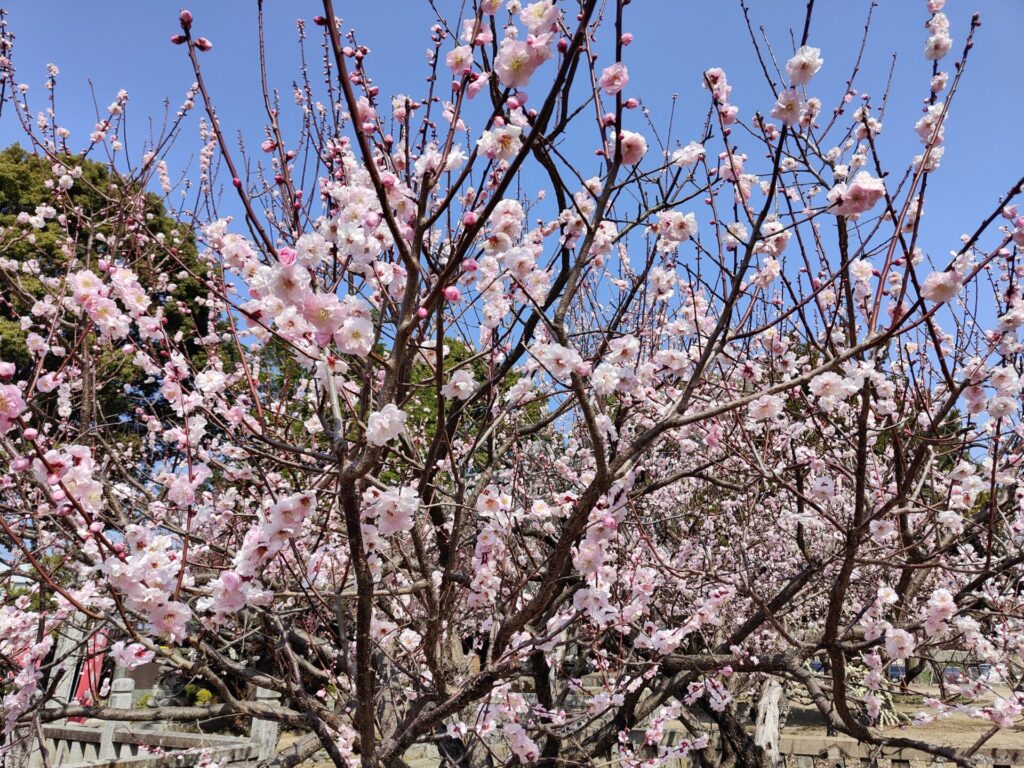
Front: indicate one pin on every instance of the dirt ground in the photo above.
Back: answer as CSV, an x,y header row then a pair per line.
x,y
956,730
805,722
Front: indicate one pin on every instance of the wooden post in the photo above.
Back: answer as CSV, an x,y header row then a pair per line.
x,y
120,698
263,733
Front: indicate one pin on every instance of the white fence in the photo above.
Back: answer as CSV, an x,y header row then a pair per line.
x,y
114,744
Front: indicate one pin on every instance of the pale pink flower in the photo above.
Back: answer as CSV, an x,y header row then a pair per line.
x,y
385,425
765,408
355,336
941,287
899,644
514,64
614,78
688,155
460,59
460,386
169,619
804,65
395,510
477,84
12,405
132,655
540,16
937,46
859,196
882,530
634,147
788,107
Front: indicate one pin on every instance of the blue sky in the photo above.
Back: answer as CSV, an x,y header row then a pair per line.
x,y
124,44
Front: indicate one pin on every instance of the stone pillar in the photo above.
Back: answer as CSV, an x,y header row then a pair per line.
x,y
120,698
263,733
68,653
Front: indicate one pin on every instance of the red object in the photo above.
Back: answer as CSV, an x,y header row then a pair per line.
x,y
87,686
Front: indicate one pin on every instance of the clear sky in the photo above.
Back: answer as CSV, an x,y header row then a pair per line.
x,y
124,44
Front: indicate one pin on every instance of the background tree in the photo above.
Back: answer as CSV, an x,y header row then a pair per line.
x,y
87,226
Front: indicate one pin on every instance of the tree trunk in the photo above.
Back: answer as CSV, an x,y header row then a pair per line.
x,y
736,746
768,730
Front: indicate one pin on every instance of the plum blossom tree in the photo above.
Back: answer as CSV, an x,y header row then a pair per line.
x,y
716,421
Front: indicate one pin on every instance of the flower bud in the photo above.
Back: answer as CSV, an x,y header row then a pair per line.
x,y
203,44
421,312
178,39
451,293
469,218
30,434
186,18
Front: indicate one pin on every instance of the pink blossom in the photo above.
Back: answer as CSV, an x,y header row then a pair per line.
x,y
859,196
131,655
634,147
459,59
169,619
941,287
766,407
385,425
540,16
614,78
899,644
788,107
514,64
937,46
12,405
804,65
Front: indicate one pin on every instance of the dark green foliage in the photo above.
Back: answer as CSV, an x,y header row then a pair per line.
x,y
102,216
